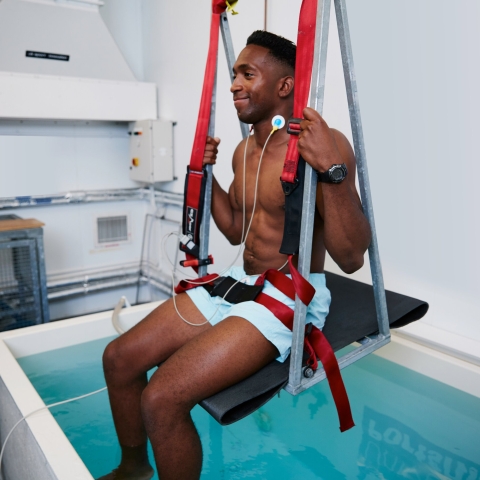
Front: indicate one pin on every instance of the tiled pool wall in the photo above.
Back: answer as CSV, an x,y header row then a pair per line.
x,y
43,448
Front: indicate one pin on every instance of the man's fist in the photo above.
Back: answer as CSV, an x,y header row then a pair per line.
x,y
211,150
316,143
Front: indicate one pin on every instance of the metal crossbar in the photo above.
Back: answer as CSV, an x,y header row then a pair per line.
x,y
297,382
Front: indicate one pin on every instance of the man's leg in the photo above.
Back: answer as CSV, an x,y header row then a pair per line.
x,y
126,361
212,361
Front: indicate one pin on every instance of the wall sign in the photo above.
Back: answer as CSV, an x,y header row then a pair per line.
x,y
47,56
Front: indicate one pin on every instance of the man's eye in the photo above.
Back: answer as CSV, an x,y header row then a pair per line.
x,y
248,74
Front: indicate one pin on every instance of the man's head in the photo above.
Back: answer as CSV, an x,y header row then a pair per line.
x,y
280,49
263,82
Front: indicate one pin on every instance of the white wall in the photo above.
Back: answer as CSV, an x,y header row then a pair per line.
x,y
124,20
43,158
417,65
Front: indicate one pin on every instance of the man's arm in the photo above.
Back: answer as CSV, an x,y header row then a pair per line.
x,y
347,233
225,211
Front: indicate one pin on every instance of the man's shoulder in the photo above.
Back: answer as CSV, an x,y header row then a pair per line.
x,y
343,145
239,151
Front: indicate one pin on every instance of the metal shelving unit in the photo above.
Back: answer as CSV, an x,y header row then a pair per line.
x,y
23,287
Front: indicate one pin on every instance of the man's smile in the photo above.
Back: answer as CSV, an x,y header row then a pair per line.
x,y
239,100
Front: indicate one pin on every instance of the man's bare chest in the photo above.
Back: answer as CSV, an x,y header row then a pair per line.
x,y
265,182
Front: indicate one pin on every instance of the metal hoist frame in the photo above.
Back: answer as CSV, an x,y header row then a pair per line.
x,y
297,382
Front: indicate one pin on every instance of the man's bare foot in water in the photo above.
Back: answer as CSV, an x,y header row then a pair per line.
x,y
134,465
144,473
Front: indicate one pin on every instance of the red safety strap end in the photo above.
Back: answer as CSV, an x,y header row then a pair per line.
x,y
326,355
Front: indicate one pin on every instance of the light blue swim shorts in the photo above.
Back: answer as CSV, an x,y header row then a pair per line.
x,y
258,315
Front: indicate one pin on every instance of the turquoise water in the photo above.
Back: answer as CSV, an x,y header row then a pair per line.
x,y
408,425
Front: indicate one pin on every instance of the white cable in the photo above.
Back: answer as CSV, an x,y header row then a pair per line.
x,y
116,312
216,310
244,240
39,410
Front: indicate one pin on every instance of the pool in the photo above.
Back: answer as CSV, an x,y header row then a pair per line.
x,y
408,424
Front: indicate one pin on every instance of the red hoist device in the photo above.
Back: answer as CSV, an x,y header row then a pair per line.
x,y
299,185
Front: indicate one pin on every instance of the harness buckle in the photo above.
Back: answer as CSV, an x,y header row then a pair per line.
x,y
308,329
197,262
187,245
293,126
288,187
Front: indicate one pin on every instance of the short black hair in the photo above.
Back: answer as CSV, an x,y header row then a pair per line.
x,y
280,48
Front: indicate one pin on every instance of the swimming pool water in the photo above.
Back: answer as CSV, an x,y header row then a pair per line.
x,y
408,425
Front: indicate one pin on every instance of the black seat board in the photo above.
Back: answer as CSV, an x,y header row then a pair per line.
x,y
352,316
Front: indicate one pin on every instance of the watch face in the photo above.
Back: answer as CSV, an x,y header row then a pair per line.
x,y
337,174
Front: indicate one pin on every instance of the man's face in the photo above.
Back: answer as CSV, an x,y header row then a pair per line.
x,y
255,85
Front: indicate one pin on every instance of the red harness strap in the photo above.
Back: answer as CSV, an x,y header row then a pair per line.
x,y
303,73
316,345
196,175
185,285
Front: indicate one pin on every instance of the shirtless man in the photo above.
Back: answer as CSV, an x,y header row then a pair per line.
x,y
194,358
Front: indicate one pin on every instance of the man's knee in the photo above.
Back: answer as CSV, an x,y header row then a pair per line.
x,y
163,397
114,359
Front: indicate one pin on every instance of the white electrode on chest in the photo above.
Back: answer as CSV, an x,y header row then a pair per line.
x,y
278,122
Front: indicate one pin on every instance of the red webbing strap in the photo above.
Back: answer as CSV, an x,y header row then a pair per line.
x,y
279,280
303,73
195,175
316,345
193,203
185,285
279,309
303,288
324,352
297,284
198,150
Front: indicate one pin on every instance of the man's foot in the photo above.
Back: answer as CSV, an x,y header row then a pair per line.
x,y
134,465
143,473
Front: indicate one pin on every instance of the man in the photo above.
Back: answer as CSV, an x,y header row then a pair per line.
x,y
244,337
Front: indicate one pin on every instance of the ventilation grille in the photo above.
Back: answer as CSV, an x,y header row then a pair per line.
x,y
112,229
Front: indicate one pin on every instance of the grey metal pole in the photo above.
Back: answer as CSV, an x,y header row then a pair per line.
x,y
310,189
205,225
229,53
359,146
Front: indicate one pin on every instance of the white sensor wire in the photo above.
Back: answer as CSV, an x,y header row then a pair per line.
x,y
39,410
243,238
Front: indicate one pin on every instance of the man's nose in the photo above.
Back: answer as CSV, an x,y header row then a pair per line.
x,y
236,85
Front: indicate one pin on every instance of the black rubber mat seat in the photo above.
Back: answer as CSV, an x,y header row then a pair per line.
x,y
352,316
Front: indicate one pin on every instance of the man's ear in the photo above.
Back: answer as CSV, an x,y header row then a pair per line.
x,y
286,86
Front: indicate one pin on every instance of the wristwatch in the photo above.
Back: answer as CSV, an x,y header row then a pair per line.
x,y
335,174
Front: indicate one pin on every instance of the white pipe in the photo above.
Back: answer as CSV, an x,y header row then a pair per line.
x,y
92,288
91,196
